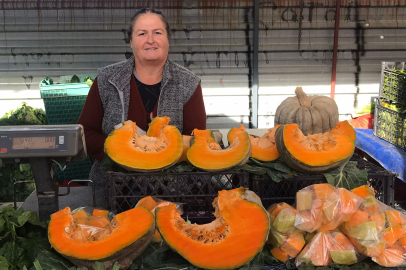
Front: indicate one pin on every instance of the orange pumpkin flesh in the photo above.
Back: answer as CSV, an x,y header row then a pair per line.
x,y
264,148
99,212
143,153
232,240
129,231
156,125
313,153
208,155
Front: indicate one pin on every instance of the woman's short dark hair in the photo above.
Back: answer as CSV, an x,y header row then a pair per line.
x,y
144,11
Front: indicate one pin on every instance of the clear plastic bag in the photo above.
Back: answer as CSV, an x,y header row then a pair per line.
x,y
377,230
91,224
322,207
285,239
329,247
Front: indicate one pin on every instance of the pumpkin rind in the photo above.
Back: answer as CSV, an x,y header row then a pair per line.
x,y
206,154
295,155
313,114
126,242
244,224
120,147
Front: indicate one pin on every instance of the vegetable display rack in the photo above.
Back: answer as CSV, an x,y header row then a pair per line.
x,y
194,190
271,192
393,82
390,125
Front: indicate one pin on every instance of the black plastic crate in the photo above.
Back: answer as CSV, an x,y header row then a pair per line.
x,y
393,82
390,125
379,179
196,190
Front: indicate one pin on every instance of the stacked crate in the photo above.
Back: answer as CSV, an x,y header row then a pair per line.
x,y
390,106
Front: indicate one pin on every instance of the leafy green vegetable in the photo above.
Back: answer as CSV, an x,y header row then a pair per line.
x,y
89,81
24,115
22,237
347,176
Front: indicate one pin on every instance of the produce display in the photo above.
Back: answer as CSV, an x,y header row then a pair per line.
x,y
84,237
206,154
313,114
318,152
264,148
136,152
239,232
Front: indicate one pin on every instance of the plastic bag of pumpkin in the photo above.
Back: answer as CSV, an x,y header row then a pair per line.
x,y
377,230
322,207
285,239
329,247
90,224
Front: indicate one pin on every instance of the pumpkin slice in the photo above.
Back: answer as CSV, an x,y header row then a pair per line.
x,y
143,153
211,136
208,155
100,212
344,128
279,254
293,245
264,148
156,125
228,242
312,153
363,191
128,234
80,214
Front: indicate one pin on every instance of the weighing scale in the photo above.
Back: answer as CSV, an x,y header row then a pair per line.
x,y
40,146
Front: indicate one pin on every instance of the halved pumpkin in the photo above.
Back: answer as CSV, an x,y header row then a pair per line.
x,y
264,148
232,240
208,155
124,239
313,153
143,153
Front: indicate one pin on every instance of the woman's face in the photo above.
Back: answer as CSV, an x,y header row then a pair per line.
x,y
149,38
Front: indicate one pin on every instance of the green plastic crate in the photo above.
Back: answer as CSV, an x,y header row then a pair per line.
x,y
63,105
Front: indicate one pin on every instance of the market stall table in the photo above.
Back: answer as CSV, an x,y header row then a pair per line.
x,y
391,157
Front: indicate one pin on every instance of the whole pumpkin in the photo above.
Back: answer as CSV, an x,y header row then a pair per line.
x,y
313,114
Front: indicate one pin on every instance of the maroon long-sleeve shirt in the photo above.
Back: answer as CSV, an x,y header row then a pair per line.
x,y
194,116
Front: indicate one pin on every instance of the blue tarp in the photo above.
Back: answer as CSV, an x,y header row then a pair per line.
x,y
391,157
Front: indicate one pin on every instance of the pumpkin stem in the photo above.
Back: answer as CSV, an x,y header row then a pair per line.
x,y
303,98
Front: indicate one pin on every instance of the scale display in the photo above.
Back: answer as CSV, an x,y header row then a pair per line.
x,y
42,141
33,143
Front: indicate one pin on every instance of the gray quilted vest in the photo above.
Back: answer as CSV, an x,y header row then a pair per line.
x,y
177,86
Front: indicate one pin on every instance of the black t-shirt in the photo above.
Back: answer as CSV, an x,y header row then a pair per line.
x,y
149,94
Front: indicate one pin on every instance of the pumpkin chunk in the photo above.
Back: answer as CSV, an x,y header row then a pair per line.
x,y
128,231
137,152
226,243
313,153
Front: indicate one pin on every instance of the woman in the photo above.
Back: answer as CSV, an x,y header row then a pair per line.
x,y
146,85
